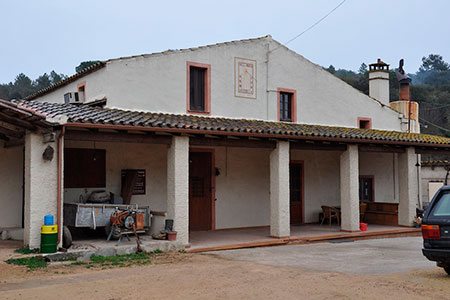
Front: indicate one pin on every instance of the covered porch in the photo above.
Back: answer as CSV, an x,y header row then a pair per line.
x,y
212,176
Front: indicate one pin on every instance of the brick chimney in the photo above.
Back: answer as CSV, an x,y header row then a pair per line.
x,y
404,105
379,81
403,81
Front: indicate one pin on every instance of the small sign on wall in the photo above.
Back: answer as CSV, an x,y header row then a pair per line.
x,y
134,176
245,78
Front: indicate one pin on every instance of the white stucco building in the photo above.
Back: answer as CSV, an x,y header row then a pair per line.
x,y
233,135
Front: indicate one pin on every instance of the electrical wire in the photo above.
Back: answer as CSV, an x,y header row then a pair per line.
x,y
432,124
432,108
313,25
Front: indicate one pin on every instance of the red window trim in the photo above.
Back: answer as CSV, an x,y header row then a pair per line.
x,y
364,119
293,104
207,67
82,85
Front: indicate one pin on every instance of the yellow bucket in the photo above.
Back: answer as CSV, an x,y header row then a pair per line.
x,y
47,229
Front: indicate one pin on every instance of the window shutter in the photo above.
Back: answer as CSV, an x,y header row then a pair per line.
x,y
197,89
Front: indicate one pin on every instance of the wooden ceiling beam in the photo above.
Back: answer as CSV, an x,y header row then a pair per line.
x,y
10,126
17,121
14,143
239,143
11,133
430,150
308,145
381,148
72,135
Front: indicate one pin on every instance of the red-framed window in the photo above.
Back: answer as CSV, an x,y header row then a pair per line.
x,y
198,86
287,105
365,123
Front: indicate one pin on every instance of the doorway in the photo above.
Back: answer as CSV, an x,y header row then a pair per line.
x,y
201,190
366,188
296,192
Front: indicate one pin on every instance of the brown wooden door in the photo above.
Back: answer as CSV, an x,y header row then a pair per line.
x,y
200,191
296,192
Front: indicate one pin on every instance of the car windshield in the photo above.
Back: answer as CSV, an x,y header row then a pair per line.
x,y
442,207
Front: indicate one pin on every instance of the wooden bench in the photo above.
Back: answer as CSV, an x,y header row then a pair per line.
x,y
381,213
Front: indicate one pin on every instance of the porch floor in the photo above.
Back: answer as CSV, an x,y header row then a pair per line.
x,y
259,237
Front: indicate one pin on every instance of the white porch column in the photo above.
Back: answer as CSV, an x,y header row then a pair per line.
x,y
178,186
350,189
407,173
41,186
279,190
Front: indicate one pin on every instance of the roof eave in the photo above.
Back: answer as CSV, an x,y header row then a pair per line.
x,y
252,134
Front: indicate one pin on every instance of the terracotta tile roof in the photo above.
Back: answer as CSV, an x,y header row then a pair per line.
x,y
67,80
435,163
87,115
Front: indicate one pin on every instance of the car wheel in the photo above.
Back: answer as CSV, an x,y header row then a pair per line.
x,y
447,269
67,237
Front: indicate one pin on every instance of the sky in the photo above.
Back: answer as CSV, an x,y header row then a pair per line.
x,y
41,36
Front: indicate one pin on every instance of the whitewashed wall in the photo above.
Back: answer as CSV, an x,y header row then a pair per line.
x,y
321,180
429,174
157,83
242,188
11,183
384,170
152,158
322,98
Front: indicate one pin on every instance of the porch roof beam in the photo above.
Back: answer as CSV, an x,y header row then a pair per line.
x,y
310,145
432,150
381,148
17,121
239,143
14,143
11,133
75,135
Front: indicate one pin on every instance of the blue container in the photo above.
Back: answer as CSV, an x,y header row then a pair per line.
x,y
48,220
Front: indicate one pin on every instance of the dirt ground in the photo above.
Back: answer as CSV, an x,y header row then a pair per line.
x,y
207,276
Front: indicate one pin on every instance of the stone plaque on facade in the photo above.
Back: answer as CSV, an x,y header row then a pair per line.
x,y
244,78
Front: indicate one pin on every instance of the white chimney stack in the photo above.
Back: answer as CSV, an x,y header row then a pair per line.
x,y
379,81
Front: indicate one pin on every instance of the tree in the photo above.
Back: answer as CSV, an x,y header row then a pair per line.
x,y
434,62
4,92
42,82
362,69
55,77
22,87
86,64
331,69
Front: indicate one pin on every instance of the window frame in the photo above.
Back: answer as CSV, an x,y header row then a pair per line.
x,y
207,84
368,120
293,104
81,87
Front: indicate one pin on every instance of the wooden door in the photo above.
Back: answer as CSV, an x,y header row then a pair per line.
x,y
366,189
200,191
296,192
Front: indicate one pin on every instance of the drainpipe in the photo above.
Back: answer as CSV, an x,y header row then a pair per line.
x,y
418,181
59,183
267,81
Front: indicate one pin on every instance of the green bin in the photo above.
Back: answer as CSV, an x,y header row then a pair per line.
x,y
49,238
